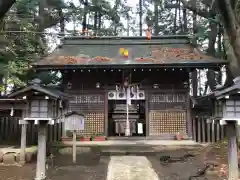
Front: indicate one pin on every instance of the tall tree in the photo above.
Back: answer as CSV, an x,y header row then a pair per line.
x,y
229,13
140,17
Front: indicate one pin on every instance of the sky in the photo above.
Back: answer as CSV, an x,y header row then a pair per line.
x,y
132,3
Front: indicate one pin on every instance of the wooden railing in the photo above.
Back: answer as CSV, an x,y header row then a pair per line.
x,y
10,132
206,130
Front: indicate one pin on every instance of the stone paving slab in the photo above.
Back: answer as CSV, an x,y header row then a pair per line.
x,y
130,168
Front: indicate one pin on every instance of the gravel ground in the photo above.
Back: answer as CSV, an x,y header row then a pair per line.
x,y
17,173
182,170
87,168
93,166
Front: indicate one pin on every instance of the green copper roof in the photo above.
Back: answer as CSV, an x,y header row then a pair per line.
x,y
105,51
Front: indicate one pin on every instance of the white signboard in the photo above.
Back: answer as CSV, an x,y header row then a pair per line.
x,y
140,128
74,122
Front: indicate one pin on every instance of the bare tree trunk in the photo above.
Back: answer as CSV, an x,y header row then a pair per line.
x,y
41,25
175,22
95,23
185,28
156,28
62,21
227,11
99,21
219,43
234,64
212,37
84,23
220,52
194,83
140,16
128,26
194,73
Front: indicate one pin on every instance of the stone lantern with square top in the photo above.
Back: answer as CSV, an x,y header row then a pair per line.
x,y
45,105
228,112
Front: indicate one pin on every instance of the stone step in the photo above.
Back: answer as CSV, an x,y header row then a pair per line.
x,y
137,150
127,150
128,153
132,138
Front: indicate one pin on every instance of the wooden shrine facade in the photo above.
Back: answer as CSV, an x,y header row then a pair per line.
x,y
165,104
94,70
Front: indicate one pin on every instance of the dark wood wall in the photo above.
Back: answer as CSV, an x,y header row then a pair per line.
x,y
87,79
166,106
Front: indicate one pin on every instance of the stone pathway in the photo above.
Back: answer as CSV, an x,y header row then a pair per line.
x,y
130,168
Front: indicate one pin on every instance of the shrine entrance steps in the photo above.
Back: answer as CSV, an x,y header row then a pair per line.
x,y
134,147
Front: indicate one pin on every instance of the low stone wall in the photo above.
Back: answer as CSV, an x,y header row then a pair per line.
x,y
79,150
10,156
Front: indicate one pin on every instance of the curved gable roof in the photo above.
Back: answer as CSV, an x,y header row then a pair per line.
x,y
104,51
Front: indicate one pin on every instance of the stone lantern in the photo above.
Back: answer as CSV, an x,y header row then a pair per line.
x,y
227,108
45,105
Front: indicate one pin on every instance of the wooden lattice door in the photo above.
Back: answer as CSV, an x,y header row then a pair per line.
x,y
167,122
92,106
167,113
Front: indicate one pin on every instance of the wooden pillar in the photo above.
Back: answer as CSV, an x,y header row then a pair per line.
x,y
23,142
213,131
199,129
189,117
41,155
106,114
222,132
147,113
74,147
194,128
63,125
23,135
203,121
232,151
238,131
218,132
209,121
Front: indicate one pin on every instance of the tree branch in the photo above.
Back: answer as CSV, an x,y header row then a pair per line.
x,y
201,12
5,5
226,10
228,16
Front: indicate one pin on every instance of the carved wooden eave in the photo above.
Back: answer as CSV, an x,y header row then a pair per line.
x,y
53,93
218,94
231,90
202,102
16,103
68,114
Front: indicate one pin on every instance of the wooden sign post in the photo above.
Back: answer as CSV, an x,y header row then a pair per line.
x,y
74,146
74,122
